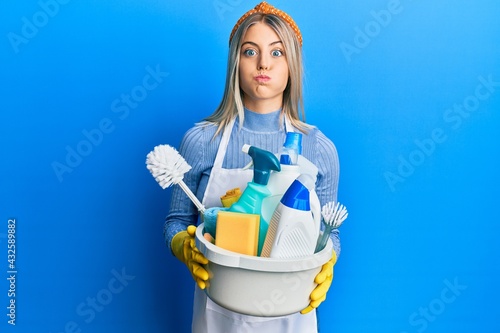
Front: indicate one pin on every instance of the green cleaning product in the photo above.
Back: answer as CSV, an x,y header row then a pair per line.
x,y
251,199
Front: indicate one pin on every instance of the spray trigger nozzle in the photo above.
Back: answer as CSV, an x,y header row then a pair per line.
x,y
263,163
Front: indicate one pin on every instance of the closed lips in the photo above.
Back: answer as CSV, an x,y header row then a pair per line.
x,y
262,78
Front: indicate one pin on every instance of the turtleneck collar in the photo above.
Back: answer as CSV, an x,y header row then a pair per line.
x,y
268,122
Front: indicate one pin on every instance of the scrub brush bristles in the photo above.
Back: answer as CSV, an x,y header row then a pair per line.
x,y
166,165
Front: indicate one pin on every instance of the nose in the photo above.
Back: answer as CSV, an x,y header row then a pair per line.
x,y
263,63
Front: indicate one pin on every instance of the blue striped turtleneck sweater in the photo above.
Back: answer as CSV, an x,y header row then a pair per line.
x,y
264,131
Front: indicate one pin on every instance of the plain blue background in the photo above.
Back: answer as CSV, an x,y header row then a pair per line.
x,y
399,86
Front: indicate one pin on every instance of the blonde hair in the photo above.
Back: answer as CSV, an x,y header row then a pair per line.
x,y
232,102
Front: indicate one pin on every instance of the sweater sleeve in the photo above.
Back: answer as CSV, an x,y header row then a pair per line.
x,y
327,162
183,212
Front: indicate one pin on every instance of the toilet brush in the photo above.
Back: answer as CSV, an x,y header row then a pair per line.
x,y
168,167
333,216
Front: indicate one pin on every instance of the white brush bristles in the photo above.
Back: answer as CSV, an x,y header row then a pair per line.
x,y
166,165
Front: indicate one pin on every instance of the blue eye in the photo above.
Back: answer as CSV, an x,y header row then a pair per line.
x,y
249,52
277,53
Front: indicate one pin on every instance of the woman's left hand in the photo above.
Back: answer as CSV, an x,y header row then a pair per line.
x,y
324,280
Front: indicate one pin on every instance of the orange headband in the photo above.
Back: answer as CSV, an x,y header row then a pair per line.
x,y
265,8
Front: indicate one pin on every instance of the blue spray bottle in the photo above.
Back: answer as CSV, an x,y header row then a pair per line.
x,y
250,201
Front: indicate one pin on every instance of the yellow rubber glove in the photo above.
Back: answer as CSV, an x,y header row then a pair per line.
x,y
324,280
184,248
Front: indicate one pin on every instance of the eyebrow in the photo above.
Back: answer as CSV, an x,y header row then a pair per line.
x,y
255,44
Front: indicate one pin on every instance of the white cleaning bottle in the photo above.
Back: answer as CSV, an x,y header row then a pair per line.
x,y
292,232
293,164
279,181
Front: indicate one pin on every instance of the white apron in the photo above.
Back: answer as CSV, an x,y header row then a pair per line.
x,y
209,317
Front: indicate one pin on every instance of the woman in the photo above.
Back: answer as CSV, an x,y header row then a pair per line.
x,y
261,102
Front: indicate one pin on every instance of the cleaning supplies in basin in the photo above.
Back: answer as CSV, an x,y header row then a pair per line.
x,y
250,201
292,232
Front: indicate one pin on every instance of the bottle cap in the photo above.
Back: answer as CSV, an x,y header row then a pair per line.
x,y
294,141
297,196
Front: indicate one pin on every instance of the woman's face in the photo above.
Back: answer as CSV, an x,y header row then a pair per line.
x,y
263,69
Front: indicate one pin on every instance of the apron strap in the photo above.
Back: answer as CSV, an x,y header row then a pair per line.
x,y
288,125
224,141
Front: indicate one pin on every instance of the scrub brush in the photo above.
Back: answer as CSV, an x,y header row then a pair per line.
x,y
333,216
168,167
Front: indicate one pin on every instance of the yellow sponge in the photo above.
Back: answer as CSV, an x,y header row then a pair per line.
x,y
230,197
238,232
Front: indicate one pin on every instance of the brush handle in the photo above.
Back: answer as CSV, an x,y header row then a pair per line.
x,y
191,196
324,238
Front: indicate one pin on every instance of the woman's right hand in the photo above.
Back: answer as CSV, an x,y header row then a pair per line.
x,y
184,248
